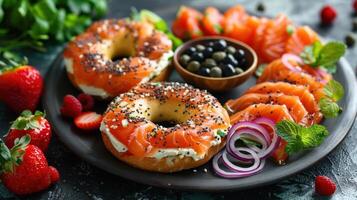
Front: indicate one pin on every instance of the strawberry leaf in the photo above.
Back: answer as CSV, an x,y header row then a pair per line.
x,y
27,120
13,157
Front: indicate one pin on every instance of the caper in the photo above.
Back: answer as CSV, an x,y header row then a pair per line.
x,y
238,70
193,66
219,55
231,50
184,59
209,63
350,39
215,72
200,47
260,7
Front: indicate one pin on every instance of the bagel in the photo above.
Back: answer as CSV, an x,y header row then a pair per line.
x,y
131,128
112,56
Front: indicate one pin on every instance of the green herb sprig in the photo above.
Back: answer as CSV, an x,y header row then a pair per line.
x,y
29,23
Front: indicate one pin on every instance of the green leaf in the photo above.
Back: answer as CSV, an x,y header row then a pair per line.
x,y
300,138
329,108
323,56
331,53
1,11
27,120
5,154
23,8
100,7
221,133
259,71
290,29
334,90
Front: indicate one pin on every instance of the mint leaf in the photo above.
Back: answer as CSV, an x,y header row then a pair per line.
x,y
330,53
334,90
329,108
323,56
300,138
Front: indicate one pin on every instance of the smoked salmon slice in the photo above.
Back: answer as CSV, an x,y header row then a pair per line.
x,y
305,96
274,112
277,71
293,104
275,38
302,36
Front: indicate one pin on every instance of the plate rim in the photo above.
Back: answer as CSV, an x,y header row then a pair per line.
x,y
352,103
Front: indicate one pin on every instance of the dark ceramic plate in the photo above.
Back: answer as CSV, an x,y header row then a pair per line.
x,y
91,148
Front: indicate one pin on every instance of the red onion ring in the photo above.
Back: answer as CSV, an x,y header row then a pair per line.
x,y
288,56
236,168
246,155
227,174
249,125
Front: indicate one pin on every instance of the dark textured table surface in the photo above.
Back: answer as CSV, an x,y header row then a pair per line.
x,y
80,180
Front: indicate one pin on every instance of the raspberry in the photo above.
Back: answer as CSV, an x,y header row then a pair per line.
x,y
324,186
55,176
328,14
87,101
71,106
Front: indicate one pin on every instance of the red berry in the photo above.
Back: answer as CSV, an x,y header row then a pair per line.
x,y
25,173
88,121
87,101
20,87
34,125
328,14
55,176
71,106
355,5
324,186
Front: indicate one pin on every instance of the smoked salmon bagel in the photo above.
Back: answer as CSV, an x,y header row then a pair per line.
x,y
133,131
112,56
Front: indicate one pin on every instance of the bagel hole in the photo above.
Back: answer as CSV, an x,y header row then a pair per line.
x,y
166,123
117,58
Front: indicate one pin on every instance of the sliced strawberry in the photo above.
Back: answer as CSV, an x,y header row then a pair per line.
x,y
88,121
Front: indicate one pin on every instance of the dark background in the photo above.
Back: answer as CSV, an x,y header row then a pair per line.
x,y
80,180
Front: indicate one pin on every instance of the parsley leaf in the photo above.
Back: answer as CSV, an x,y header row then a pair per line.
x,y
300,138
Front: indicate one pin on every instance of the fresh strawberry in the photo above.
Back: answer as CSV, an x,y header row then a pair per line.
x,y
55,176
87,101
71,106
328,14
88,121
33,124
324,186
24,168
20,87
